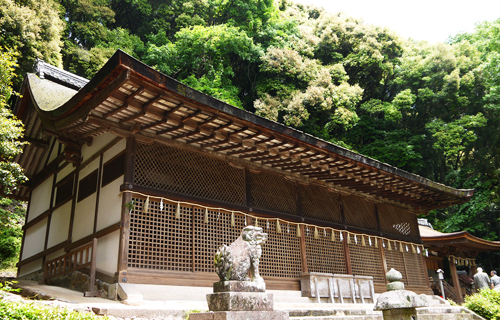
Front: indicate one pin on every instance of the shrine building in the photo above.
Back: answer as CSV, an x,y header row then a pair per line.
x,y
161,175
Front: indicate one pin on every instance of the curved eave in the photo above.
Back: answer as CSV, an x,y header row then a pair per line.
x,y
121,67
462,239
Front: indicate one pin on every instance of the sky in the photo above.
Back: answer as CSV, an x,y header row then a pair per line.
x,y
431,20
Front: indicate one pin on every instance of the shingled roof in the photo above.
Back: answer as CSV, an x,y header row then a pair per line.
x,y
129,98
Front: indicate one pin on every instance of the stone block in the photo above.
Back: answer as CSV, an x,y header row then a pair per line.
x,y
400,314
239,286
240,315
240,301
395,286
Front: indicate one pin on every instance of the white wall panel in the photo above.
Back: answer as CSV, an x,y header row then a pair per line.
x,y
59,225
83,224
40,198
110,204
34,239
116,149
107,253
64,172
30,267
97,143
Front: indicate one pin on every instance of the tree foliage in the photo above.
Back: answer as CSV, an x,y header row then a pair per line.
x,y
35,28
431,109
11,129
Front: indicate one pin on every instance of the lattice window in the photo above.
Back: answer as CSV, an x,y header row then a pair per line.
x,y
359,213
366,260
180,171
272,192
415,269
394,259
319,203
322,254
397,221
281,252
159,241
210,236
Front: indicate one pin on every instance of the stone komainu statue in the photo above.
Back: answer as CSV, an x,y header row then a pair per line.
x,y
233,262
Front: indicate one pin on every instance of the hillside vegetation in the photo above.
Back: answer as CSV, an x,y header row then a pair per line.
x,y
431,109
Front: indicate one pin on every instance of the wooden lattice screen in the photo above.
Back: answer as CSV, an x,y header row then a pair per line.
x,y
415,269
397,221
158,241
170,169
281,252
185,172
319,203
322,254
359,212
366,260
210,236
272,192
395,259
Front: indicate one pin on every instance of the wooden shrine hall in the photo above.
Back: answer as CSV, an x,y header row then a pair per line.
x,y
161,175
460,249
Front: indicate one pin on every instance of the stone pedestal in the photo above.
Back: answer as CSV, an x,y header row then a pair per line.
x,y
400,314
397,303
240,300
240,315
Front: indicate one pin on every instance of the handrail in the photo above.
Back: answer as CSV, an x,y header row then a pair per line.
x,y
82,257
449,291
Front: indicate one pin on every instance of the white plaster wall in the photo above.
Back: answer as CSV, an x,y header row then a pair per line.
x,y
64,172
110,204
30,267
88,169
97,143
34,239
40,199
116,149
59,225
56,254
107,253
83,223
54,154
46,155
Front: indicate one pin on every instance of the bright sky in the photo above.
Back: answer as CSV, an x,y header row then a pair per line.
x,y
431,20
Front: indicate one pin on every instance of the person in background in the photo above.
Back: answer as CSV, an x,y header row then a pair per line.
x,y
495,280
481,279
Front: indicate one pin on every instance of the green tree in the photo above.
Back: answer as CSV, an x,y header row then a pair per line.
x,y
11,129
207,59
35,28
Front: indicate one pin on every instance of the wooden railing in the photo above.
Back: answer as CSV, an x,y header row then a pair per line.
x,y
467,288
82,257
449,291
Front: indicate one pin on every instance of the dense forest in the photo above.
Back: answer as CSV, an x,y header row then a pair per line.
x,y
431,109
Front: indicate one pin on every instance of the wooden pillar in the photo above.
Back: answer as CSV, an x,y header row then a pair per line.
x,y
126,199
456,282
382,256
426,272
303,255
347,255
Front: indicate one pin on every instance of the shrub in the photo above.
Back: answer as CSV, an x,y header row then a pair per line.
x,y
485,303
24,311
11,221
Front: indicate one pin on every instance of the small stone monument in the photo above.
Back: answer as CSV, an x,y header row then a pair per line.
x,y
241,292
398,303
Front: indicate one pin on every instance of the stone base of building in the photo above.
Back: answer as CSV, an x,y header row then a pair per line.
x,y
240,315
240,301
